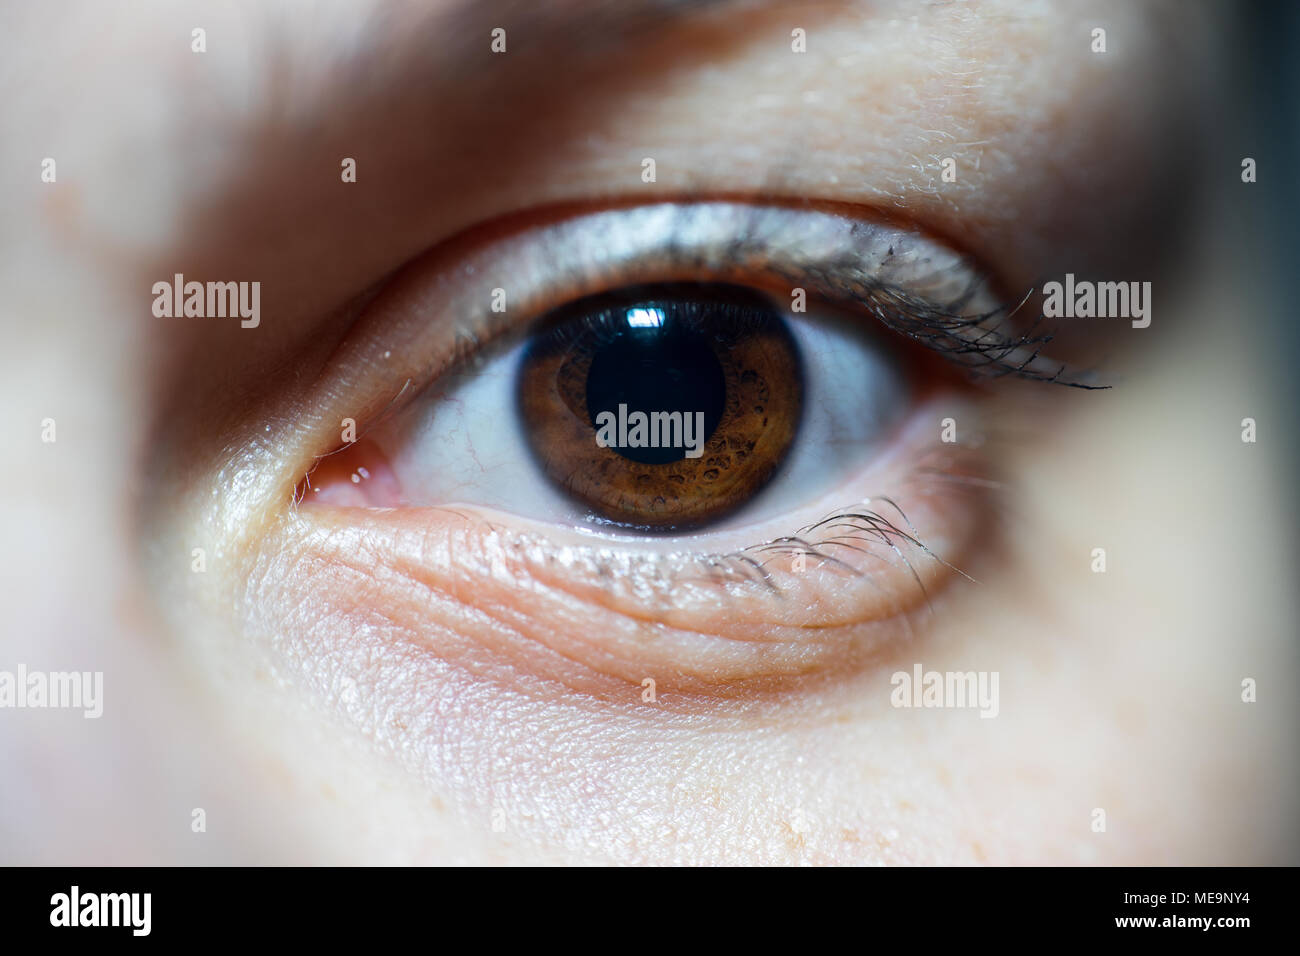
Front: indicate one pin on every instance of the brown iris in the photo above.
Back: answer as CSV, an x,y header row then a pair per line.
x,y
662,407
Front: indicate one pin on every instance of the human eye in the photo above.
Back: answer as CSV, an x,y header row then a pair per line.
x,y
839,484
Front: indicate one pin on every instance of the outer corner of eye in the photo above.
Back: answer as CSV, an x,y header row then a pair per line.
x,y
675,471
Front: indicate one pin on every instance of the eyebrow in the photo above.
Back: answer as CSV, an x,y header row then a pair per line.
x,y
579,29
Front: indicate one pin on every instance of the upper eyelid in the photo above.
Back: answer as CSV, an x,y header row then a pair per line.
x,y
950,300
911,282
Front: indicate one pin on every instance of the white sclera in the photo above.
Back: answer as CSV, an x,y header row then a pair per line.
x,y
464,444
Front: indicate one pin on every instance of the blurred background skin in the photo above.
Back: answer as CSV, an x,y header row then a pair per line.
x,y
1120,691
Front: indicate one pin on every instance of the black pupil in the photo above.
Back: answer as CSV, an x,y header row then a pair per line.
x,y
656,364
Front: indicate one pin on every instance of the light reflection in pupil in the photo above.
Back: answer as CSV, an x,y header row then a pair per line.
x,y
645,318
656,365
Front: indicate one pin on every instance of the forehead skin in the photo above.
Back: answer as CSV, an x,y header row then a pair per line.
x,y
188,148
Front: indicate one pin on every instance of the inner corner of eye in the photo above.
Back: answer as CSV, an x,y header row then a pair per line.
x,y
356,474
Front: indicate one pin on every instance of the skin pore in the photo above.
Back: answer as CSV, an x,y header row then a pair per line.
x,y
363,687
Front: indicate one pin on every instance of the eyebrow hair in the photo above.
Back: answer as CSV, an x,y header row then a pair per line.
x,y
559,32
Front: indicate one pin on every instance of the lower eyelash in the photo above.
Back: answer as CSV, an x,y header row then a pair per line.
x,y
875,527
857,523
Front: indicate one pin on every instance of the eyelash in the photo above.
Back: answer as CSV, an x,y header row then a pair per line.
x,y
945,330
863,524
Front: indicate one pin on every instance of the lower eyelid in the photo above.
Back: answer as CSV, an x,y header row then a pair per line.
x,y
491,592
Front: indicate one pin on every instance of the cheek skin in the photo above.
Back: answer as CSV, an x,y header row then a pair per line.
x,y
490,590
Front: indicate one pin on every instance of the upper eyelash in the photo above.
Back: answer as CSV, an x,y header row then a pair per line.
x,y
983,342
963,338
967,340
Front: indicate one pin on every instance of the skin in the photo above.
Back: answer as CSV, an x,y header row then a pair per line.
x,y
348,698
